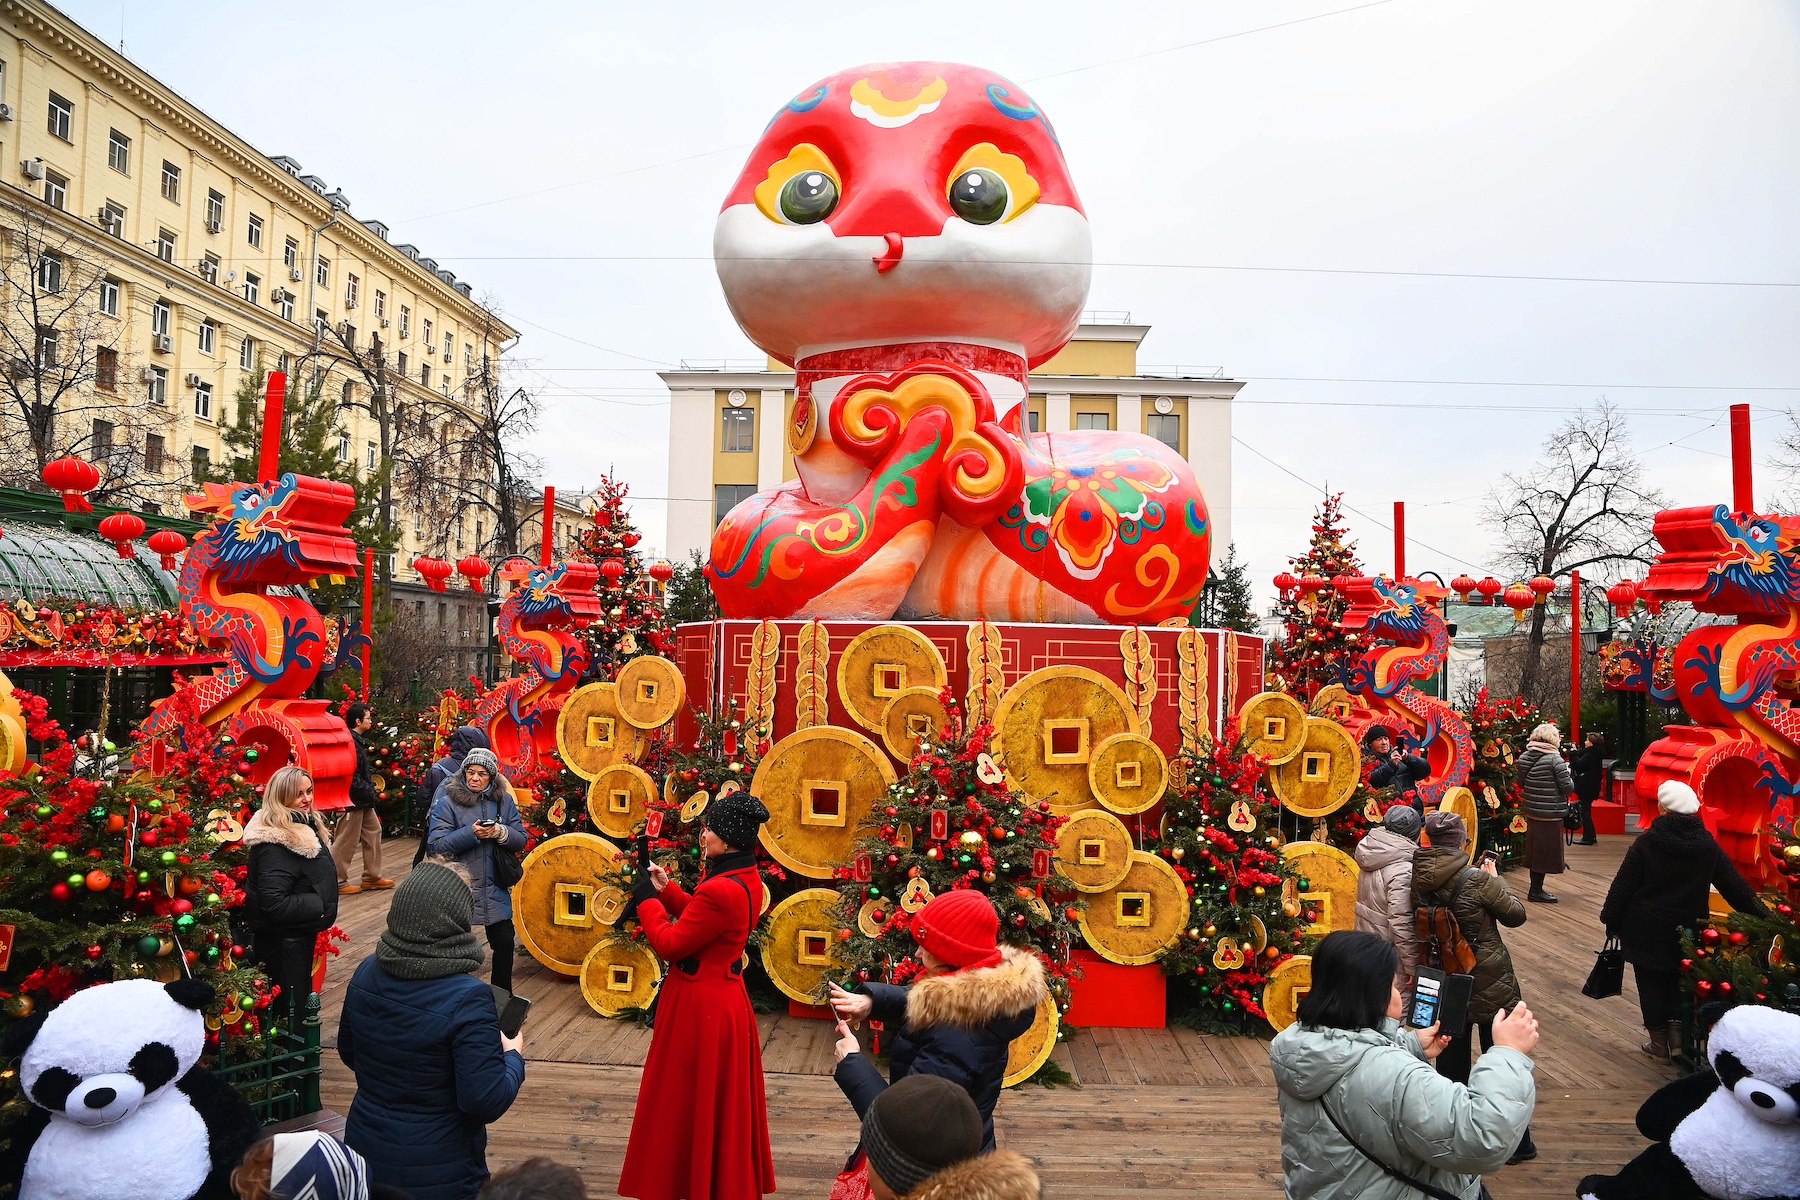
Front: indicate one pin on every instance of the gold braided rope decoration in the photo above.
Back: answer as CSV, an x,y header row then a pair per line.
x,y
1140,673
987,682
1190,650
1228,671
759,680
812,682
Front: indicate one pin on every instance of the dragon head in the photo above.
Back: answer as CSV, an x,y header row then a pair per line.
x,y
289,531
1400,610
1726,562
559,596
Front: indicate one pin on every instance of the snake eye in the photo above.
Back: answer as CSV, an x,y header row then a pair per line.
x,y
979,196
808,198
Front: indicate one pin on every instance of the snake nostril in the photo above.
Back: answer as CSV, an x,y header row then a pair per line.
x,y
100,1097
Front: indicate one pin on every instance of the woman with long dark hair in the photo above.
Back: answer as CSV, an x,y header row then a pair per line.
x,y
1363,1114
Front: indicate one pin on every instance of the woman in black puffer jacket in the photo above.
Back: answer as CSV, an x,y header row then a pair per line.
x,y
1663,885
958,1020
291,890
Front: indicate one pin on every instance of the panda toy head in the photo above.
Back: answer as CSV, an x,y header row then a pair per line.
x,y
1755,1052
103,1052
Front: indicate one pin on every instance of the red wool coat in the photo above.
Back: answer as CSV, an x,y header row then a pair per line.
x,y
701,1129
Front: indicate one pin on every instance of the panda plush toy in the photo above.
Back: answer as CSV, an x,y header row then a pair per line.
x,y
121,1109
1731,1133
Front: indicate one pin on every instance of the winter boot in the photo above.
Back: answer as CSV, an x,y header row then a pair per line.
x,y
1658,1045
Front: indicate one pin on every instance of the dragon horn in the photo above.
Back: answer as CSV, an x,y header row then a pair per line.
x,y
215,499
515,569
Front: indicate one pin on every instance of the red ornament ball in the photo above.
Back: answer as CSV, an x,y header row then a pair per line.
x,y
1710,936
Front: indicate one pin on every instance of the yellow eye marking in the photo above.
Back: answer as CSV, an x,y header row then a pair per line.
x,y
1009,167
802,158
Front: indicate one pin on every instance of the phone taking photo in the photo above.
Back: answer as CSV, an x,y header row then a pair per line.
x,y
512,1010
1441,999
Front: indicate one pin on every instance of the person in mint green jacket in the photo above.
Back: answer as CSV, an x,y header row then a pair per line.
x,y
1364,1113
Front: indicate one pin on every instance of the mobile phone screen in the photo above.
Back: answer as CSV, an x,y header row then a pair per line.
x,y
1425,998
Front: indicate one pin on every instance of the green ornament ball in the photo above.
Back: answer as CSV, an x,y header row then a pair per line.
x,y
59,856
97,816
154,806
246,1002
874,893
212,897
168,858
77,880
184,922
227,740
147,945
108,746
211,954
44,811
252,755
143,877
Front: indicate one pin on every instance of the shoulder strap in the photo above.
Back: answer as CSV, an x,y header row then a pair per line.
x,y
1436,1193
739,880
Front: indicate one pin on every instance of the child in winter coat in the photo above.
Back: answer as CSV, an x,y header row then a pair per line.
x,y
1384,899
958,1020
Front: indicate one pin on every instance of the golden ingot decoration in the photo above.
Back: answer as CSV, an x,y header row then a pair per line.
x,y
1490,797
1093,851
449,714
1139,658
224,826
916,896
1321,777
911,716
812,675
592,734
695,806
1518,824
1332,876
558,812
1191,675
987,679
1228,956
619,798
562,905
1371,811
1241,818
760,681
1032,1049
819,785
800,944
988,771
649,691
1228,670
1259,934
1288,983
872,917
882,662
1140,917
1461,801
1275,723
1333,702
1128,773
618,975
1048,727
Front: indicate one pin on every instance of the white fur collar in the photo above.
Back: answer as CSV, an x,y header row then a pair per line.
x,y
296,837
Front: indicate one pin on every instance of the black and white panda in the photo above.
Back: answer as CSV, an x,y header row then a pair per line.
x,y
1732,1133
121,1107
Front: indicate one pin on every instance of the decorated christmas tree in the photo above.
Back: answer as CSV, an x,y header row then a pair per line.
x,y
1313,646
1499,729
1752,960
1346,827
1220,832
952,822
635,622
722,758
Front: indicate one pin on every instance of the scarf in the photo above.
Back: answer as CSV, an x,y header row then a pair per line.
x,y
428,934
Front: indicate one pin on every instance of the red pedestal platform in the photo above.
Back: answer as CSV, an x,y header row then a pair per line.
x,y
811,1012
1609,817
1109,996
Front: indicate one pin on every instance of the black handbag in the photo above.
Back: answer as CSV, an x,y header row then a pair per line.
x,y
1572,816
507,869
1607,979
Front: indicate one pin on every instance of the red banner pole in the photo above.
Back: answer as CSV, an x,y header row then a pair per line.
x,y
1399,539
368,626
549,541
1575,657
1743,497
274,400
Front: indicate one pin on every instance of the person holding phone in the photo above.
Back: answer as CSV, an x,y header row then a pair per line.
x,y
474,817
701,1126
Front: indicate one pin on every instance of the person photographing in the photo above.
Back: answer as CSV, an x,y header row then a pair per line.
x,y
1394,768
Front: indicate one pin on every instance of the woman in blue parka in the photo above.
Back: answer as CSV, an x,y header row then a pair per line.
x,y
473,817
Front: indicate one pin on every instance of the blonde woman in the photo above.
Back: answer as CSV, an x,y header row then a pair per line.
x,y
292,889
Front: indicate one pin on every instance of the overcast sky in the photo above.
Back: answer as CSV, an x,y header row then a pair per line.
x,y
535,148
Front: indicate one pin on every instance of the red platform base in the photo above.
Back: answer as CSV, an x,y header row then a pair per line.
x,y
1609,817
1109,996
811,1012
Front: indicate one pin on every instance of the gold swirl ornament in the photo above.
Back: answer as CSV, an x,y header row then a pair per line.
x,y
983,469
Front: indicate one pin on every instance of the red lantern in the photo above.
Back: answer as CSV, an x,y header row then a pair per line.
x,y
474,569
1519,598
1312,585
122,529
74,478
167,543
1541,587
1489,587
612,568
1462,585
629,540
1285,583
1347,583
435,571
662,572
1622,596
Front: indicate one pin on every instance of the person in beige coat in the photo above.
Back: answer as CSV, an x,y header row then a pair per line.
x,y
1384,889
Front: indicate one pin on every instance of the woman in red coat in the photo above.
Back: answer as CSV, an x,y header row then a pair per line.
x,y
701,1129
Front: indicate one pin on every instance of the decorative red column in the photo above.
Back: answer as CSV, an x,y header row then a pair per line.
x,y
548,545
1399,539
1743,497
368,624
274,401
1575,657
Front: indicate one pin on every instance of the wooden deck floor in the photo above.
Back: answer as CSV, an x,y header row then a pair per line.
x,y
1160,1113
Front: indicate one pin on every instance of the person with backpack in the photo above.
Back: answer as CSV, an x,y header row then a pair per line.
x,y
1478,903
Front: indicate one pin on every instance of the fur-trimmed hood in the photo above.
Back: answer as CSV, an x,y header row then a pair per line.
x,y
971,998
1002,1175
261,831
462,797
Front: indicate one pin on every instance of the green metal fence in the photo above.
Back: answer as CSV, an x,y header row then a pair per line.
x,y
282,1082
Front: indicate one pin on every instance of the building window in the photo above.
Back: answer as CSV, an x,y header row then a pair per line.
x,y
247,354
171,182
1033,420
449,348
254,233
118,152
112,218
209,268
62,117
215,212
56,190
50,271
158,387
202,463
252,287
405,320
428,335
209,336
281,363
109,297
103,440
352,286
469,359
46,347
322,322
155,456
374,455
424,377
400,363
343,447
203,401
290,254
106,368
380,305
1093,421
1165,428
165,245
349,394
727,496
418,522
286,306
737,430
322,272
159,317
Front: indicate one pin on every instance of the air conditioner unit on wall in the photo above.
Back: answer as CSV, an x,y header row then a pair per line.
x,y
6,113
33,168
447,356
384,322
294,274
194,380
162,343
214,226
349,304
147,375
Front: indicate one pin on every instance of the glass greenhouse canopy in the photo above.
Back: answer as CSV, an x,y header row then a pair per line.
x,y
40,562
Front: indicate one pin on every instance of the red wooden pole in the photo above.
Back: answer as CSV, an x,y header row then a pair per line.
x,y
1575,657
368,625
274,399
1743,497
548,546
1399,539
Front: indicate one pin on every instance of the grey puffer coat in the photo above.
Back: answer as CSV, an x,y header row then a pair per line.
x,y
1384,893
1547,783
1397,1107
1482,903
451,832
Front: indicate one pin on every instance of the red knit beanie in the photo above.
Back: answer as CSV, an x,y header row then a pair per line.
x,y
961,928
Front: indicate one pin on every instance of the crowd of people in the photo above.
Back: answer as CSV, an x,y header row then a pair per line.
x,y
1371,1105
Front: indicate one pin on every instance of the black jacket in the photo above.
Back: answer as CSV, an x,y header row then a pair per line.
x,y
958,1027
1663,885
362,780
1410,770
1584,764
292,889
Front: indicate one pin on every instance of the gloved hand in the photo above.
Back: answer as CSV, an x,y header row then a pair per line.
x,y
644,889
